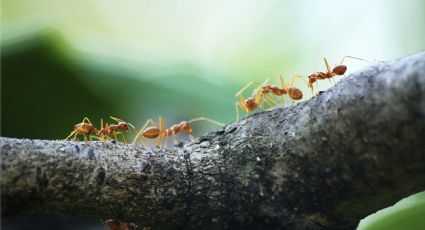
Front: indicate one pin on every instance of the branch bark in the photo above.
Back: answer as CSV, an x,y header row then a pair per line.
x,y
321,164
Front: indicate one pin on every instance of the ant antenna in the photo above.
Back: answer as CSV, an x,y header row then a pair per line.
x,y
361,59
249,84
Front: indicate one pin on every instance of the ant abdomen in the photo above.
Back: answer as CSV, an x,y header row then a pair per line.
x,y
295,93
151,132
339,69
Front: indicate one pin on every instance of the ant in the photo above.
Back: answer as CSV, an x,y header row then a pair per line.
x,y
84,128
116,225
336,71
104,132
154,132
293,92
251,103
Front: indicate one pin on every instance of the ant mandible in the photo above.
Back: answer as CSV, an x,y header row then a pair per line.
x,y
155,132
83,128
329,74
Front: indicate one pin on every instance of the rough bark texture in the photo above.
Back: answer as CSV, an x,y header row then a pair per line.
x,y
321,164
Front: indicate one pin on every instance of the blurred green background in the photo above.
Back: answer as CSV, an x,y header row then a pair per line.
x,y
63,60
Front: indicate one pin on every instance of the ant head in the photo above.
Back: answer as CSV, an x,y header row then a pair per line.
x,y
123,125
266,88
251,104
250,101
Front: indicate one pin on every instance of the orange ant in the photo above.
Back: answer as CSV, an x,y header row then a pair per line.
x,y
116,225
329,74
154,132
293,92
251,103
84,128
104,132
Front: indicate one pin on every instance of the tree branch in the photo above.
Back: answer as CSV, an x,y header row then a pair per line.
x,y
321,164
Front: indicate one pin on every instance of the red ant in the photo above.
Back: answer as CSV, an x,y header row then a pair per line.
x,y
293,92
84,128
329,74
104,132
154,131
116,225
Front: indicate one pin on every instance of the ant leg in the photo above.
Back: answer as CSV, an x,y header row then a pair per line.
x,y
70,135
123,138
116,119
161,128
75,136
115,136
317,85
206,119
259,91
284,86
282,82
244,109
105,136
258,99
166,141
270,101
143,129
328,68
237,111
95,137
246,87
295,78
241,105
258,94
175,140
273,102
347,56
